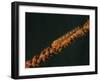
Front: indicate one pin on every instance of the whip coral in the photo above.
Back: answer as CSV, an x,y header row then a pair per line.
x,y
57,45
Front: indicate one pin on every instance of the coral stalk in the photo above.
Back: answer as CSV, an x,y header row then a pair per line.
x,y
57,45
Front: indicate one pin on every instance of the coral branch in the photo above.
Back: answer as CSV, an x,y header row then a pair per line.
x,y
57,45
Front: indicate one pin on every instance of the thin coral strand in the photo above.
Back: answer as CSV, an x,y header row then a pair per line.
x,y
57,45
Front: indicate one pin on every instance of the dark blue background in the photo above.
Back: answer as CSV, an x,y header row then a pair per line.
x,y
42,29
